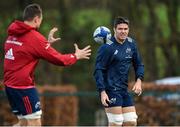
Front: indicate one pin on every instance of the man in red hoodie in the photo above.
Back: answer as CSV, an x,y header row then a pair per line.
x,y
23,49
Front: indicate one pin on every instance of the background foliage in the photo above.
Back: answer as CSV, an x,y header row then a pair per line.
x,y
155,24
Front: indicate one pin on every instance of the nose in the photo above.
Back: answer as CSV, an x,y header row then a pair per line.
x,y
123,30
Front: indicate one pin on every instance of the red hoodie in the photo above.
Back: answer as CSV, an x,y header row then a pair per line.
x,y
23,49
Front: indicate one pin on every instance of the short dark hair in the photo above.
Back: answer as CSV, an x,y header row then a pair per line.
x,y
32,11
119,20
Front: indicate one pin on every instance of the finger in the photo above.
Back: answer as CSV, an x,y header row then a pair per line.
x,y
88,54
51,33
54,29
87,47
137,91
104,103
88,51
140,93
107,99
86,57
57,39
133,89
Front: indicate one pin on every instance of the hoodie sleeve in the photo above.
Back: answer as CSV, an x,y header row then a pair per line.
x,y
137,64
102,61
44,51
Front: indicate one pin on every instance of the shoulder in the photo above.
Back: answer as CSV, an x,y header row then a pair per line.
x,y
109,41
131,41
38,36
105,49
37,40
107,46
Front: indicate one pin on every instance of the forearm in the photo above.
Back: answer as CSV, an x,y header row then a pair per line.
x,y
139,72
57,58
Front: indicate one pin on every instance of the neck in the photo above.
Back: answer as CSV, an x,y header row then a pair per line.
x,y
119,41
30,24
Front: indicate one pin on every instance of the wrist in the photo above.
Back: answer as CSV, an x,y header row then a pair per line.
x,y
103,92
139,80
76,55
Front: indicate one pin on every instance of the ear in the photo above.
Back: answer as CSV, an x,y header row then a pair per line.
x,y
36,19
114,30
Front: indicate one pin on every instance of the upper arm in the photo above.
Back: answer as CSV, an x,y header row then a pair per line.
x,y
103,57
136,56
137,63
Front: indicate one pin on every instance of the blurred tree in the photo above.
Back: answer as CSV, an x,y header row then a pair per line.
x,y
154,24
171,45
23,3
151,44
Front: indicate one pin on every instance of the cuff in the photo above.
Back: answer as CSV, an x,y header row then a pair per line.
x,y
101,89
141,78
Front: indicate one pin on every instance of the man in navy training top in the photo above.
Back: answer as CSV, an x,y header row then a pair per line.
x,y
113,63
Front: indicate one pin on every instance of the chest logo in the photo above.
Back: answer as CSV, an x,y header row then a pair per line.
x,y
116,52
128,50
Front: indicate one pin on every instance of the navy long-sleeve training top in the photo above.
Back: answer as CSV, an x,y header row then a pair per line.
x,y
113,63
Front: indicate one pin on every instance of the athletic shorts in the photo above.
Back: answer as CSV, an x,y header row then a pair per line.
x,y
23,101
119,98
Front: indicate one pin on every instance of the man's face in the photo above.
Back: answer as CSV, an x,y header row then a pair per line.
x,y
121,31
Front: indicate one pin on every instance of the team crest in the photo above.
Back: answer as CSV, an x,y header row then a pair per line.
x,y
128,50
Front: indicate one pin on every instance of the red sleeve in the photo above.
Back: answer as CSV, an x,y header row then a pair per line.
x,y
45,51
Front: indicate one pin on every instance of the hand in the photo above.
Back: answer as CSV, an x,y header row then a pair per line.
x,y
104,98
51,39
82,53
137,88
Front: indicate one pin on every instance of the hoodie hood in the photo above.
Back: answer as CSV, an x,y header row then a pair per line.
x,y
18,28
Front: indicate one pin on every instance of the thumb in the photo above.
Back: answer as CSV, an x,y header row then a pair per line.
x,y
107,99
76,46
133,88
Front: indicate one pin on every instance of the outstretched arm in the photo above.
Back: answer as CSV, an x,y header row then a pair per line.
x,y
42,49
